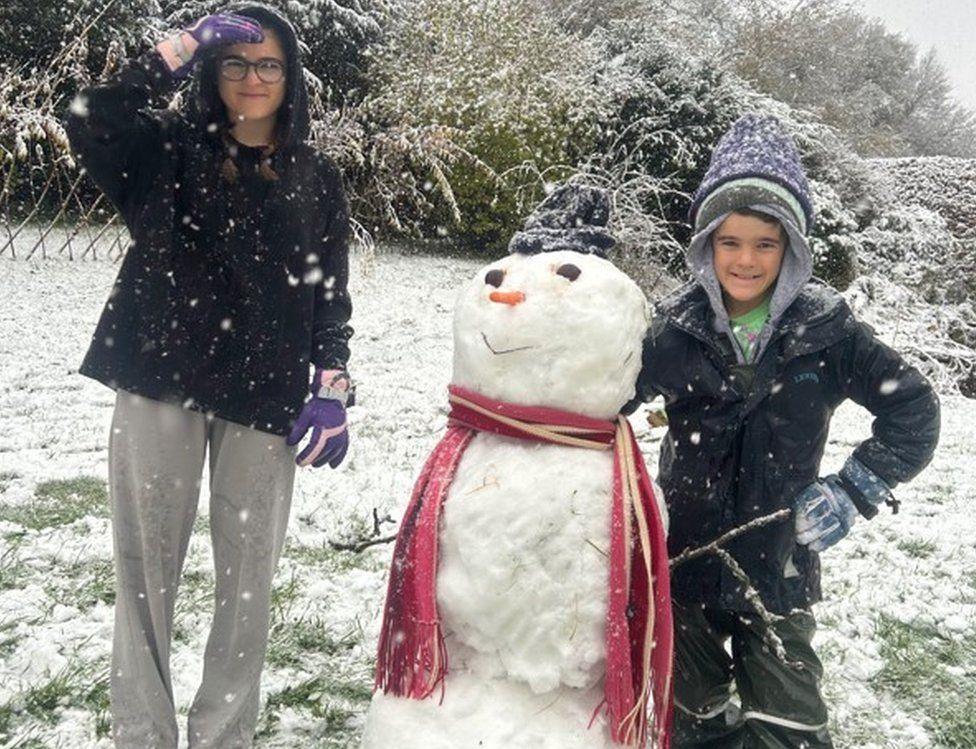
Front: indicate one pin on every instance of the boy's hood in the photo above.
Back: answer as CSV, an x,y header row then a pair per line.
x,y
205,107
796,270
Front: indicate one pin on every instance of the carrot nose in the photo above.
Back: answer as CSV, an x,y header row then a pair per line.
x,y
507,297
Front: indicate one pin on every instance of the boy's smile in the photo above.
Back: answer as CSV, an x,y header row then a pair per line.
x,y
747,255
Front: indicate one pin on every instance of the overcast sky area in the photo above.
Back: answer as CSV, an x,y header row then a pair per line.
x,y
947,25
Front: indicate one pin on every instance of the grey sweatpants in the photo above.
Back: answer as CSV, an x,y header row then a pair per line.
x,y
156,454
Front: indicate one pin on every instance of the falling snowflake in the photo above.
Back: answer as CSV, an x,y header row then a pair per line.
x,y
888,387
79,106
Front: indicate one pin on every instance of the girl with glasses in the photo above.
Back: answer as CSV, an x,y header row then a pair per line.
x,y
231,294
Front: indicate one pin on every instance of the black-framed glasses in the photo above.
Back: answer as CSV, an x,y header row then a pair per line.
x,y
269,70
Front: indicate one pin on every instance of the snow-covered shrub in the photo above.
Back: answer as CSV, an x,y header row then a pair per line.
x,y
36,166
503,82
872,84
35,32
661,116
937,338
927,230
942,184
834,240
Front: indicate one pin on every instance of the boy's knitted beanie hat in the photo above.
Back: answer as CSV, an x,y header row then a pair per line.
x,y
755,162
572,217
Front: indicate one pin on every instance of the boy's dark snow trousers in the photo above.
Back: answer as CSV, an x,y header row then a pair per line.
x,y
781,706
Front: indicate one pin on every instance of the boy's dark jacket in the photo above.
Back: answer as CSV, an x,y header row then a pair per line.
x,y
743,441
227,291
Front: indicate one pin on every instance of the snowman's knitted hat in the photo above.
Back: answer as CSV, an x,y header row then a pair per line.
x,y
572,217
755,162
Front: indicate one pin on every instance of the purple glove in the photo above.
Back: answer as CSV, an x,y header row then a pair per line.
x,y
180,50
325,413
225,28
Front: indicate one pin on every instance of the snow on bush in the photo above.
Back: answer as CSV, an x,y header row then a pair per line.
x,y
940,183
939,339
503,83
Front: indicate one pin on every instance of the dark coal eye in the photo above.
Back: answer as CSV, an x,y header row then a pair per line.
x,y
495,277
569,271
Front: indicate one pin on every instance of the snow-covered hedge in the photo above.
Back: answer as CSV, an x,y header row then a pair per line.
x,y
942,184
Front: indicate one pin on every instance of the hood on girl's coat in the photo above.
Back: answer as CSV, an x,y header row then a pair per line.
x,y
795,272
205,107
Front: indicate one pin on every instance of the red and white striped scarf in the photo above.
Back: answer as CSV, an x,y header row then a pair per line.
x,y
412,658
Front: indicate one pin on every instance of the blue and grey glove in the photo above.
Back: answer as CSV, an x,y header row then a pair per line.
x,y
825,511
823,514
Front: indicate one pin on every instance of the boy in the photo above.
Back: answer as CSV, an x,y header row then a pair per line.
x,y
752,356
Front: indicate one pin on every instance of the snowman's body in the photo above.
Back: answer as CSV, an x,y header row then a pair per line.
x,y
524,537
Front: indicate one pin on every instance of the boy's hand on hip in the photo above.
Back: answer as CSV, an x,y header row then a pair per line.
x,y
823,514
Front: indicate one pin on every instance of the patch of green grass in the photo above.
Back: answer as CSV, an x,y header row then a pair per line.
x,y
917,548
942,492
930,674
84,687
291,642
98,700
13,537
7,716
8,640
284,595
330,701
45,701
5,478
353,531
13,571
84,584
60,502
325,557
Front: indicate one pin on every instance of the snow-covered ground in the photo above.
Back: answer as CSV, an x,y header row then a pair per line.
x,y
898,629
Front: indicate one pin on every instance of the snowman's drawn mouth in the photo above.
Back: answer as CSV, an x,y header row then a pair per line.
x,y
503,351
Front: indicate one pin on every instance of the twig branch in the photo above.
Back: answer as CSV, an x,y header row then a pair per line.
x,y
769,635
712,548
359,546
373,539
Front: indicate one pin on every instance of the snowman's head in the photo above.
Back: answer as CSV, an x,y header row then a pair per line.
x,y
558,329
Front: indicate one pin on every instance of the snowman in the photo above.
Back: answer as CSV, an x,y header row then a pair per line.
x,y
528,603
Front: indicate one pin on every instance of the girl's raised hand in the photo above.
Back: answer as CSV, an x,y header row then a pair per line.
x,y
180,50
225,28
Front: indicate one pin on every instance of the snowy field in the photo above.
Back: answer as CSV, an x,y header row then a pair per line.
x,y
898,628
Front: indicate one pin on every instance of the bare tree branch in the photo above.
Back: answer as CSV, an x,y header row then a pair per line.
x,y
362,543
712,547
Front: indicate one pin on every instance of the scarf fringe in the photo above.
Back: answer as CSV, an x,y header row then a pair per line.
x,y
412,663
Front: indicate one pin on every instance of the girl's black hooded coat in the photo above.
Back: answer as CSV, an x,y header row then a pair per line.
x,y
228,290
